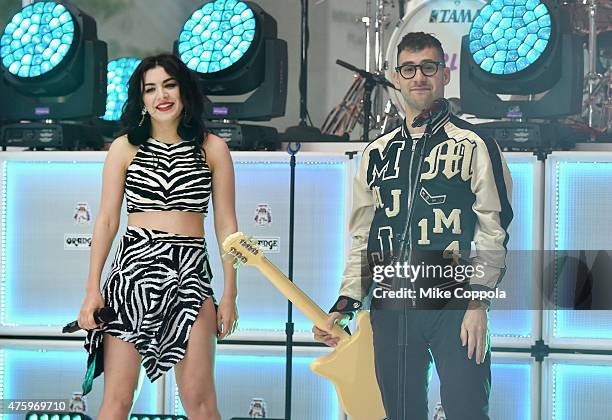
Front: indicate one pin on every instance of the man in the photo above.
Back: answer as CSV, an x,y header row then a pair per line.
x,y
438,194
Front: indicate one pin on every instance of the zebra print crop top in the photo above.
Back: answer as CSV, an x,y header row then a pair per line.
x,y
164,177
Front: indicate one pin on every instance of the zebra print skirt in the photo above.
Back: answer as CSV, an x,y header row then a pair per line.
x,y
157,284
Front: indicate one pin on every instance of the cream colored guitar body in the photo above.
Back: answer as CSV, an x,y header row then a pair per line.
x,y
350,366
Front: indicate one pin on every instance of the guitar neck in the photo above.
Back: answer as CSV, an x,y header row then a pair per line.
x,y
293,293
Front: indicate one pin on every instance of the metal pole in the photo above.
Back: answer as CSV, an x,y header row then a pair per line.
x,y
289,325
593,76
378,16
378,97
367,21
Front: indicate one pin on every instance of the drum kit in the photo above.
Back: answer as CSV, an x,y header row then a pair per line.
x,y
593,18
346,115
448,19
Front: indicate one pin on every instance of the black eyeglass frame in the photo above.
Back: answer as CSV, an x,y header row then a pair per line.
x,y
420,67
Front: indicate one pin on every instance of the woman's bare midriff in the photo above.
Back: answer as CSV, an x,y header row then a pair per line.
x,y
180,222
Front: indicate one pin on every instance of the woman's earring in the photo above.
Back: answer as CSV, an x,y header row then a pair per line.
x,y
143,113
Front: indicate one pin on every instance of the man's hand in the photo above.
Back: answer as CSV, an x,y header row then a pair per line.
x,y
474,330
324,336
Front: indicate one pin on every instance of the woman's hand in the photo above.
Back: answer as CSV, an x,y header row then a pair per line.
x,y
92,301
227,317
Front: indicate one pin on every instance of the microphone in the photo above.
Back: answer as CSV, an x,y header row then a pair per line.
x,y
438,106
101,316
378,78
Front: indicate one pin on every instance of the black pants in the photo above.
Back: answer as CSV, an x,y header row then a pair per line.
x,y
403,361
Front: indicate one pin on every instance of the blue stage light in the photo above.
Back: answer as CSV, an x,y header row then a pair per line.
x,y
233,48
508,36
41,415
37,39
52,64
118,74
521,47
217,35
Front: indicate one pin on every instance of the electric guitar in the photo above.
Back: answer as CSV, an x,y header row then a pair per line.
x,y
350,366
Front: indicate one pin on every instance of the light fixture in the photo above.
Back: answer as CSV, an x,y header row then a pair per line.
x,y
37,39
118,74
217,36
55,415
521,47
52,64
506,39
43,415
232,46
52,67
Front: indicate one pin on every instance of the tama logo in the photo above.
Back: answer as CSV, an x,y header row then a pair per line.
x,y
79,241
452,15
269,245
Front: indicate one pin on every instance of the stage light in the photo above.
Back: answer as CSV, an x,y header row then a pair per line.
x,y
217,35
42,415
52,64
37,39
55,415
232,46
521,47
508,37
118,74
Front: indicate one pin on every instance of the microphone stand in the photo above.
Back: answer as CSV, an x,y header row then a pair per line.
x,y
371,80
292,149
405,255
289,326
405,248
304,132
425,118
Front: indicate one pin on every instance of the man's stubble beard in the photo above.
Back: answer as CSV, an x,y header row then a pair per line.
x,y
418,105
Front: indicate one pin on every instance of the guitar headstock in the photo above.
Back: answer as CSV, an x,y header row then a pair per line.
x,y
243,249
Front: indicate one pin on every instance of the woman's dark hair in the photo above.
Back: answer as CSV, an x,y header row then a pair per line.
x,y
191,127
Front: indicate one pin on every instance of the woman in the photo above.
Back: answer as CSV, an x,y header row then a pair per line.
x,y
167,165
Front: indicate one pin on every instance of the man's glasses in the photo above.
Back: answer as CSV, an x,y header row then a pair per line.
x,y
428,68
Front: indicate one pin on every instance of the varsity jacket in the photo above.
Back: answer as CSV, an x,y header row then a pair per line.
x,y
461,205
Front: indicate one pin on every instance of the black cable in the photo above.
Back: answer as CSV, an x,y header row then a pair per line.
x,y
309,119
305,44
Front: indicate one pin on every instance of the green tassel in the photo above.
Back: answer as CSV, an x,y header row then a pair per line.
x,y
89,376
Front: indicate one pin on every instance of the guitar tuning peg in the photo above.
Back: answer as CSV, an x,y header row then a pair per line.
x,y
236,264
